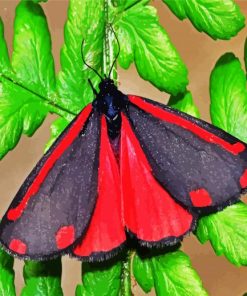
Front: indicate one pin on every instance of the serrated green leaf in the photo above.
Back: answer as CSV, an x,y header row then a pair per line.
x,y
227,232
32,59
7,274
100,279
228,94
56,129
22,111
173,275
144,41
143,273
217,18
4,55
184,102
85,21
42,278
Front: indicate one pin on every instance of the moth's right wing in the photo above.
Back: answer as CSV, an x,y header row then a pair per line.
x,y
53,207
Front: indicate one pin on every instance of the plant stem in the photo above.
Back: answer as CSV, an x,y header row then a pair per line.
x,y
54,107
126,275
108,45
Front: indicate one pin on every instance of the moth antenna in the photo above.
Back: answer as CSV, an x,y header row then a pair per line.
x,y
83,59
94,90
115,60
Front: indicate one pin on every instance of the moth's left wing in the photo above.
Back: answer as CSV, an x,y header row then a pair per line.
x,y
53,207
202,167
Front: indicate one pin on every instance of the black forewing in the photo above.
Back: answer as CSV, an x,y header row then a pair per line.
x,y
64,201
183,162
199,122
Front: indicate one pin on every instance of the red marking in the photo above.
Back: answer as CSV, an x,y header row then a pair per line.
x,y
200,198
68,139
235,148
65,236
106,229
149,211
18,246
238,147
243,179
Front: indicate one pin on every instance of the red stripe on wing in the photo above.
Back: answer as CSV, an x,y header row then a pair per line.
x,y
235,148
15,213
106,231
149,211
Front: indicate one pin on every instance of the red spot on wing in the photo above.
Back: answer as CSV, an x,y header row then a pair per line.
x,y
200,198
15,213
65,236
106,229
18,246
235,148
243,179
238,147
149,211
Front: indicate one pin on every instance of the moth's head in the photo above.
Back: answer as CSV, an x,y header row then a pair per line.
x,y
109,100
107,86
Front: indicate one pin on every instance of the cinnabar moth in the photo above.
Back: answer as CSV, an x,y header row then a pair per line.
x,y
125,166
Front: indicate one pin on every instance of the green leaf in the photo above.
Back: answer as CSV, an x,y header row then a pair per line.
x,y
22,111
178,8
245,54
144,41
85,21
220,19
32,58
4,55
37,1
184,102
100,279
124,4
56,129
227,232
229,96
7,274
172,275
143,273
42,278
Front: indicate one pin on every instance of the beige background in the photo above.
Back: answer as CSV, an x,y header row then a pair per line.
x,y
200,53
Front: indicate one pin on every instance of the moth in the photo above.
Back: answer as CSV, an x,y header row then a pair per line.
x,y
124,167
